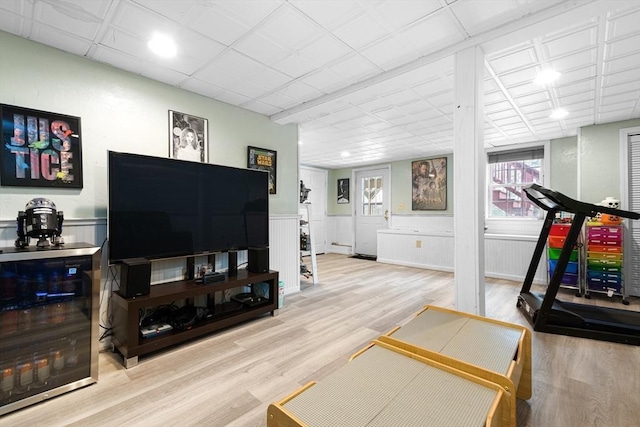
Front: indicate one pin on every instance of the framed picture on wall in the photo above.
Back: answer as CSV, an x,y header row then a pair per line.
x,y
40,149
263,159
188,137
429,184
343,190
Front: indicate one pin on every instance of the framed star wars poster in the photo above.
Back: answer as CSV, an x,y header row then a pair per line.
x,y
40,149
263,159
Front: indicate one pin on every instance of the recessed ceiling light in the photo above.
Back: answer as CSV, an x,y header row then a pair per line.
x,y
547,76
163,46
558,114
345,154
299,142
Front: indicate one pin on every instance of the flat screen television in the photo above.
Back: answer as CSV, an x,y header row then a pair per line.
x,y
162,208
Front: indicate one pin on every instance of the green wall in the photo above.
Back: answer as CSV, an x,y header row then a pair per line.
x,y
564,165
121,111
401,189
600,160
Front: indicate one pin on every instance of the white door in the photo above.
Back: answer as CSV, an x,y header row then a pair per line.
x,y
316,180
372,200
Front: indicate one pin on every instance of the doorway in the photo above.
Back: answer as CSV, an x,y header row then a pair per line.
x,y
372,200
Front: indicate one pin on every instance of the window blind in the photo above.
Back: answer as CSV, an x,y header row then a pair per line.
x,y
516,155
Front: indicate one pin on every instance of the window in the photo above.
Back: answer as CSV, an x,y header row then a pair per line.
x,y
372,196
509,173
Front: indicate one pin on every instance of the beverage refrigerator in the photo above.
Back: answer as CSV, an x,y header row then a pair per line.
x,y
48,322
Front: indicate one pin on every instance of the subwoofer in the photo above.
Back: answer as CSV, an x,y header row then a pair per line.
x,y
135,277
258,260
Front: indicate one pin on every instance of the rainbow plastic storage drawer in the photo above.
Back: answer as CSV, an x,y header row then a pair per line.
x,y
604,281
386,386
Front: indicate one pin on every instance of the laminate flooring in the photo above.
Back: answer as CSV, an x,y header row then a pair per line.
x,y
229,378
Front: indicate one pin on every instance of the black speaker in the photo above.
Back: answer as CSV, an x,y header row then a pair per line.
x,y
233,263
258,260
135,277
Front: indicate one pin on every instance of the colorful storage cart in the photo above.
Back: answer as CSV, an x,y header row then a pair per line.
x,y
604,260
557,237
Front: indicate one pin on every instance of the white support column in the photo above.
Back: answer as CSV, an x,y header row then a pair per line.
x,y
469,187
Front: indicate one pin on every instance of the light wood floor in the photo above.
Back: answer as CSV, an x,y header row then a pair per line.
x,y
228,379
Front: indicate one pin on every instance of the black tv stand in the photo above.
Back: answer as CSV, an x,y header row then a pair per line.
x,y
548,314
126,312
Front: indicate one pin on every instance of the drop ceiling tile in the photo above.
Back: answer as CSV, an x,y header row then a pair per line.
x,y
588,72
513,60
295,66
289,28
431,88
614,79
624,24
521,90
622,47
204,88
388,53
630,87
508,122
12,23
237,64
165,75
270,79
328,13
278,100
261,107
569,43
491,109
261,49
141,22
577,60
623,63
81,18
436,30
353,69
578,97
246,88
361,31
575,88
398,13
478,16
249,13
387,113
629,99
445,98
324,50
399,98
214,23
613,116
525,75
493,98
414,107
61,40
490,85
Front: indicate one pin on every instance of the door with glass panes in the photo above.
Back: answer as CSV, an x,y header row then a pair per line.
x,y
371,208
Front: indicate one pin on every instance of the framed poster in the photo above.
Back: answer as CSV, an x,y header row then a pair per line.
x,y
40,149
188,137
343,190
429,184
263,159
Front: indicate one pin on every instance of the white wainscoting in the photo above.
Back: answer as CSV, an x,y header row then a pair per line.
x,y
284,255
427,242
416,249
508,257
340,234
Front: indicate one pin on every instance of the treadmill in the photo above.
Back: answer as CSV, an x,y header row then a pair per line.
x,y
548,314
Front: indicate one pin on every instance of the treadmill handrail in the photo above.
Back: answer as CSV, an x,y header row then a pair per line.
x,y
549,199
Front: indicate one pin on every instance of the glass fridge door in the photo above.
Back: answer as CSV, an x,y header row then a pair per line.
x,y
45,326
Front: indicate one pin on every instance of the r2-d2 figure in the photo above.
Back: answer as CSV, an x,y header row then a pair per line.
x,y
42,220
